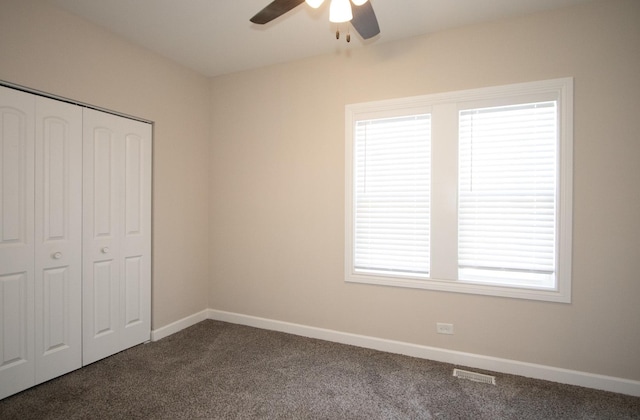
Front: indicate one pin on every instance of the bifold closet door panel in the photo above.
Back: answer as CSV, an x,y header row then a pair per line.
x,y
116,234
100,284
58,238
17,364
135,239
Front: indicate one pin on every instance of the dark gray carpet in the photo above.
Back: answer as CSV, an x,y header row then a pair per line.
x,y
216,370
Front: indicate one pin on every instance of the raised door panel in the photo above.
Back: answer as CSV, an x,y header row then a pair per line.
x,y
133,293
105,146
16,176
105,285
101,225
17,365
134,179
58,233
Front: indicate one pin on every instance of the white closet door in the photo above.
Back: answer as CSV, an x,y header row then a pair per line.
x,y
58,238
135,234
116,234
17,365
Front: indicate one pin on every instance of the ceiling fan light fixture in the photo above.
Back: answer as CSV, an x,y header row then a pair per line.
x,y
340,11
361,15
315,3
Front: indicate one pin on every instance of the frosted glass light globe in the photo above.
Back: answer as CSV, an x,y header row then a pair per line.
x,y
340,11
315,3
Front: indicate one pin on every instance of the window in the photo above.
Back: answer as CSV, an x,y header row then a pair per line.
x,y
391,195
466,191
507,194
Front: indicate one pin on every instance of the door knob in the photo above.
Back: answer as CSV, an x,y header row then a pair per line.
x,y
57,255
105,250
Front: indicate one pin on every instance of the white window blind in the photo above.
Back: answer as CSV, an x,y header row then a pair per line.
x,y
392,179
507,194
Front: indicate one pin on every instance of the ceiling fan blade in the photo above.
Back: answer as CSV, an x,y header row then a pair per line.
x,y
274,10
365,21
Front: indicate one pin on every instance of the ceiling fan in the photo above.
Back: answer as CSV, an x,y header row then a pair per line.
x,y
358,12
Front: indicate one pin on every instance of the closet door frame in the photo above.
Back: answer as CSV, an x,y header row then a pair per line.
x,y
42,289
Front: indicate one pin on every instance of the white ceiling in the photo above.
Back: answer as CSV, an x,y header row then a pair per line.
x,y
215,37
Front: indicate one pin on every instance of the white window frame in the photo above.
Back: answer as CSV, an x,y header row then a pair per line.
x,y
444,109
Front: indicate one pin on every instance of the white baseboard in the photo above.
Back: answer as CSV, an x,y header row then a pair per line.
x,y
180,324
514,367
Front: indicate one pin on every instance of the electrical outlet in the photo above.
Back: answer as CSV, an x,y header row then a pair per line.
x,y
442,328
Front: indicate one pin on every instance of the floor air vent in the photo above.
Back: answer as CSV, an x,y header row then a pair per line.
x,y
473,376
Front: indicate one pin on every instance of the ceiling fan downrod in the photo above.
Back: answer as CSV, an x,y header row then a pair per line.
x,y
348,37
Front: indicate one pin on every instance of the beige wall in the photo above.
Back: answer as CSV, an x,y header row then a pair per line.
x,y
46,49
277,189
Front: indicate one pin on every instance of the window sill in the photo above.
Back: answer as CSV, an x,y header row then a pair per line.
x,y
458,286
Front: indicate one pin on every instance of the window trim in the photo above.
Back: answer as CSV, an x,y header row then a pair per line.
x,y
562,90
